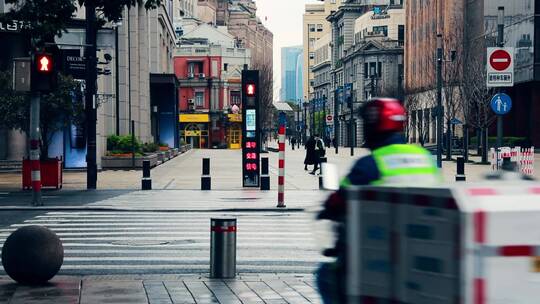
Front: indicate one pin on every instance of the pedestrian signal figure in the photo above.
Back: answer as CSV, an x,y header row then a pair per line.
x,y
391,162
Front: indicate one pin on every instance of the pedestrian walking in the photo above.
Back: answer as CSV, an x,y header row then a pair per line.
x,y
293,142
311,158
320,151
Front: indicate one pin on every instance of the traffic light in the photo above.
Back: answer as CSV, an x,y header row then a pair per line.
x,y
43,72
251,90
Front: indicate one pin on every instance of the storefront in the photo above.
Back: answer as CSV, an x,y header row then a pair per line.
x,y
234,134
194,130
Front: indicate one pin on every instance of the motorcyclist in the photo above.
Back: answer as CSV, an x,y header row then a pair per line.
x,y
391,161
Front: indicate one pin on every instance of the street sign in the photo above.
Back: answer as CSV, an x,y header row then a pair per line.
x,y
500,67
329,119
501,104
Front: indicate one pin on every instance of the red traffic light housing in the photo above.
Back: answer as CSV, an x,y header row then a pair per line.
x,y
44,63
251,90
43,72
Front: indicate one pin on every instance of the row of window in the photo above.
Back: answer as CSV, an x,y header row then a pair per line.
x,y
315,27
198,99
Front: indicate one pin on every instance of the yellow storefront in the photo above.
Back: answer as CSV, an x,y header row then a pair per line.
x,y
234,132
194,129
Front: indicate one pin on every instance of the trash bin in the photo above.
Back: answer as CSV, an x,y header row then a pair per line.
x,y
223,248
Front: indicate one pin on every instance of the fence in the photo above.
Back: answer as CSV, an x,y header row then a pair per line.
x,y
522,157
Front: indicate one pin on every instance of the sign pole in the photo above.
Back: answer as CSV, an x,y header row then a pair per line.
x,y
500,40
35,170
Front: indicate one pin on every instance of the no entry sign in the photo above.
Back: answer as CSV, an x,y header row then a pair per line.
x,y
500,67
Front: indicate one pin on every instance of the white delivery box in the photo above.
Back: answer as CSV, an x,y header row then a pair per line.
x,y
468,243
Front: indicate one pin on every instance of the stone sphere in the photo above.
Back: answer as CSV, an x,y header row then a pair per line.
x,y
32,255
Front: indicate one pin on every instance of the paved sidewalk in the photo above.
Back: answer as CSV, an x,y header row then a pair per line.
x,y
168,289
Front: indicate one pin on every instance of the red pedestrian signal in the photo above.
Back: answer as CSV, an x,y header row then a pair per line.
x,y
43,73
250,89
44,62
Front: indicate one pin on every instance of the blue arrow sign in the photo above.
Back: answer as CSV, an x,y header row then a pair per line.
x,y
501,104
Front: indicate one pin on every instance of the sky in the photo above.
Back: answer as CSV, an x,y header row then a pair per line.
x,y
284,19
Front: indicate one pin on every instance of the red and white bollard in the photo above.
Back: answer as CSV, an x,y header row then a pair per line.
x,y
281,177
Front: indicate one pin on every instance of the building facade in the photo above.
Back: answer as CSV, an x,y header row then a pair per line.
x,y
141,48
315,26
207,11
291,73
322,87
209,96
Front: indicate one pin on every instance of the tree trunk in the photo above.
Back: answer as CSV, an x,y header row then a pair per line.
x,y
485,145
448,140
478,141
466,143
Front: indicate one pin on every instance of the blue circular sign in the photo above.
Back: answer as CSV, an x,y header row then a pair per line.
x,y
501,104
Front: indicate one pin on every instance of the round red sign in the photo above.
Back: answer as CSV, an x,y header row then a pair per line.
x,y
500,60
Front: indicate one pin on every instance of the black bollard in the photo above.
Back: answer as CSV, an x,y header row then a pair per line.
x,y
321,176
460,176
146,179
265,178
508,165
32,255
206,180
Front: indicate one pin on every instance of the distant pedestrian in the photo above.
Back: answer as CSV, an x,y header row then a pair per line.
x,y
320,152
311,157
293,142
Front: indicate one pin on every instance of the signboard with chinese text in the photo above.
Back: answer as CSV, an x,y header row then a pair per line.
x,y
500,67
251,131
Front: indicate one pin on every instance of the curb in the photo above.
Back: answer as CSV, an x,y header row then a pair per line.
x,y
112,209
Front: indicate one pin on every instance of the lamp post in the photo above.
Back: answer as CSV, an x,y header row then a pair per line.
x,y
439,101
336,120
305,122
312,116
323,120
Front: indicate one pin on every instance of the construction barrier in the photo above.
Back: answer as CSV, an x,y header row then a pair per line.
x,y
522,157
470,244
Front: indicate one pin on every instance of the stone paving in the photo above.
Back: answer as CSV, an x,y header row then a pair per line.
x,y
165,289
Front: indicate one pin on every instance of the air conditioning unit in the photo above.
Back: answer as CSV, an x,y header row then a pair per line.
x,y
201,75
190,75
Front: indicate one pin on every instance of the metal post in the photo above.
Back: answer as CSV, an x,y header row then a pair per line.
x,y
336,121
304,122
323,120
500,43
133,144
206,182
265,177
146,179
117,80
223,248
90,104
460,170
35,170
281,176
439,101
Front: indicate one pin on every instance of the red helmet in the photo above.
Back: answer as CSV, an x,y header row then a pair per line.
x,y
384,115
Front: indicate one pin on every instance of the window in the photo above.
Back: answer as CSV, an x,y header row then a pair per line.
x,y
225,66
379,69
366,72
199,99
319,27
381,30
312,43
311,55
311,27
235,98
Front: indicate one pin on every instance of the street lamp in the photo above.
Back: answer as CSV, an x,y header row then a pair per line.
x,y
323,120
304,120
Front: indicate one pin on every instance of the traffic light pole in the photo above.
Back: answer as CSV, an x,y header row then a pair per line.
x,y
34,149
90,104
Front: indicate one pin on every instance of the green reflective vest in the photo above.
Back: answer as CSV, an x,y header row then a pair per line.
x,y
402,164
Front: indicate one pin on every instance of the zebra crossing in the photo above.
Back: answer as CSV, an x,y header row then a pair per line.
x,y
119,242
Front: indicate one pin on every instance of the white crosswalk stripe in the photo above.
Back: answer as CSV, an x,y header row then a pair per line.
x,y
119,242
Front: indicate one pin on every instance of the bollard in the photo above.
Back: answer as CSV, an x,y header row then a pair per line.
x,y
146,179
321,173
223,248
281,165
265,177
206,180
460,176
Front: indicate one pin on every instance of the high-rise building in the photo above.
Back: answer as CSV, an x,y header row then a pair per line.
x,y
291,73
315,26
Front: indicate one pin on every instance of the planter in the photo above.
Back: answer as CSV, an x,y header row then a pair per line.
x,y
161,157
51,174
163,148
168,154
174,152
122,162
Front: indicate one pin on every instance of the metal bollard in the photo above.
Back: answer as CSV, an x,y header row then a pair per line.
x,y
223,248
321,175
206,180
460,176
265,177
146,179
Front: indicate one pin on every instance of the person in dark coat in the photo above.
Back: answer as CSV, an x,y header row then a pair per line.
x,y
293,142
311,156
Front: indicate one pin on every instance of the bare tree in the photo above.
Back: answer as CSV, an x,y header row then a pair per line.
x,y
266,90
